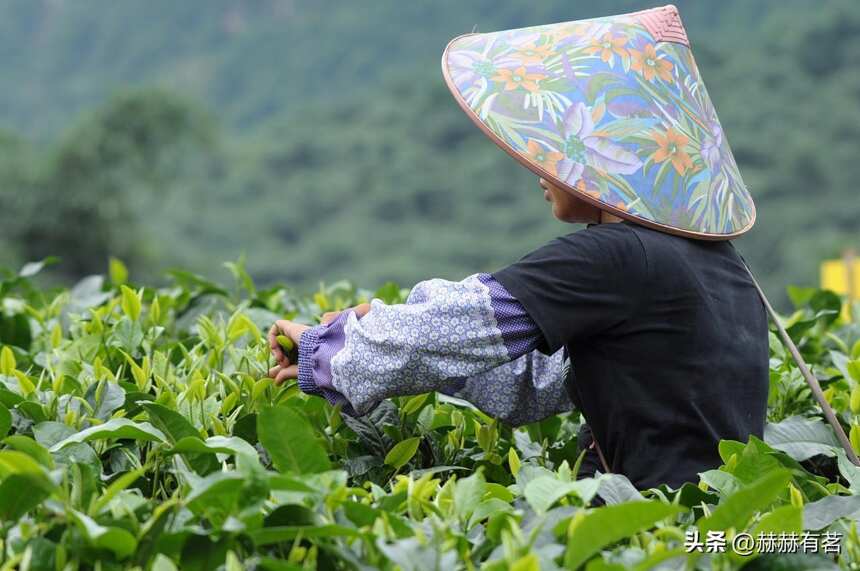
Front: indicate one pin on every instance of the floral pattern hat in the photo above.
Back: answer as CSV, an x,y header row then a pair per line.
x,y
612,110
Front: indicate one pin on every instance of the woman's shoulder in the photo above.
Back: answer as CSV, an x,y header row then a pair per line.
x,y
621,238
623,230
599,250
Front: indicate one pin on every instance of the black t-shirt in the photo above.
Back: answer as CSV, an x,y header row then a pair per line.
x,y
667,339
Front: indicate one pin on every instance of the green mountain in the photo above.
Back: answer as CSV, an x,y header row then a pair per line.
x,y
318,138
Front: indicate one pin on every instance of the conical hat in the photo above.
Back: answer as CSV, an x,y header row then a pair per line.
x,y
612,110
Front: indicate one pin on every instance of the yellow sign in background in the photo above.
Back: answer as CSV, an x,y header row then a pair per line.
x,y
840,276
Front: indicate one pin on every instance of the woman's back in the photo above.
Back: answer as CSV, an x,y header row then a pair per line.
x,y
667,338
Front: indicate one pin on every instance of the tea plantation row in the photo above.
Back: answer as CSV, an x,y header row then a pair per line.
x,y
138,429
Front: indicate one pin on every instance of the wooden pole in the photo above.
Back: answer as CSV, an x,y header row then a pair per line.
x,y
810,378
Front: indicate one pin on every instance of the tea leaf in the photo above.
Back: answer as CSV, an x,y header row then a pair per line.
x,y
741,505
115,487
609,524
270,535
5,420
115,428
822,513
176,428
801,438
7,361
544,491
30,447
468,493
130,303
513,461
214,445
18,472
290,441
117,271
784,519
114,539
13,503
402,452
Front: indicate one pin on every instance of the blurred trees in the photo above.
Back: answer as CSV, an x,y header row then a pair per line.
x,y
16,193
85,199
347,157
789,98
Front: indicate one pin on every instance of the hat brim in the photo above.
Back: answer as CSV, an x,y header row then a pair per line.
x,y
575,189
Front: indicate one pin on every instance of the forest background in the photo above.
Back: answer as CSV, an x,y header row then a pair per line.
x,y
317,138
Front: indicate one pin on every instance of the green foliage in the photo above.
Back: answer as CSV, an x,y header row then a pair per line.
x,y
589,533
402,452
290,441
142,425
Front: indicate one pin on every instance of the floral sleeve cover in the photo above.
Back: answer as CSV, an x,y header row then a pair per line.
x,y
470,339
525,390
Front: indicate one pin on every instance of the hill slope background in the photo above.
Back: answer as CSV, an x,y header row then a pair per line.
x,y
318,137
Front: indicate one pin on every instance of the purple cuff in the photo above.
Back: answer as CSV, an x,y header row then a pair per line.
x,y
520,333
307,347
317,346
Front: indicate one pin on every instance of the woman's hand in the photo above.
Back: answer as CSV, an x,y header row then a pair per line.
x,y
285,369
293,331
360,310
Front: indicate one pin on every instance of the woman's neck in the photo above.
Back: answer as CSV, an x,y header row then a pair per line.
x,y
607,218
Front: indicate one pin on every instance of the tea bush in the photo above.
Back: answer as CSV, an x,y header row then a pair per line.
x,y
139,430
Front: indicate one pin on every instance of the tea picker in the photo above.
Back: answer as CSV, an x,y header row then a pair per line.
x,y
648,321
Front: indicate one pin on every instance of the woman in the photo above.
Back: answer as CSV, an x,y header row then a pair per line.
x,y
646,321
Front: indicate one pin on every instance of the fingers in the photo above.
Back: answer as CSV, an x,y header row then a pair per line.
x,y
282,361
293,331
286,373
279,356
281,373
286,370
277,352
271,337
288,328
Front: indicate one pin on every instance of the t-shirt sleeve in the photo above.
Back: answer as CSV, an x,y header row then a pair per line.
x,y
580,285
